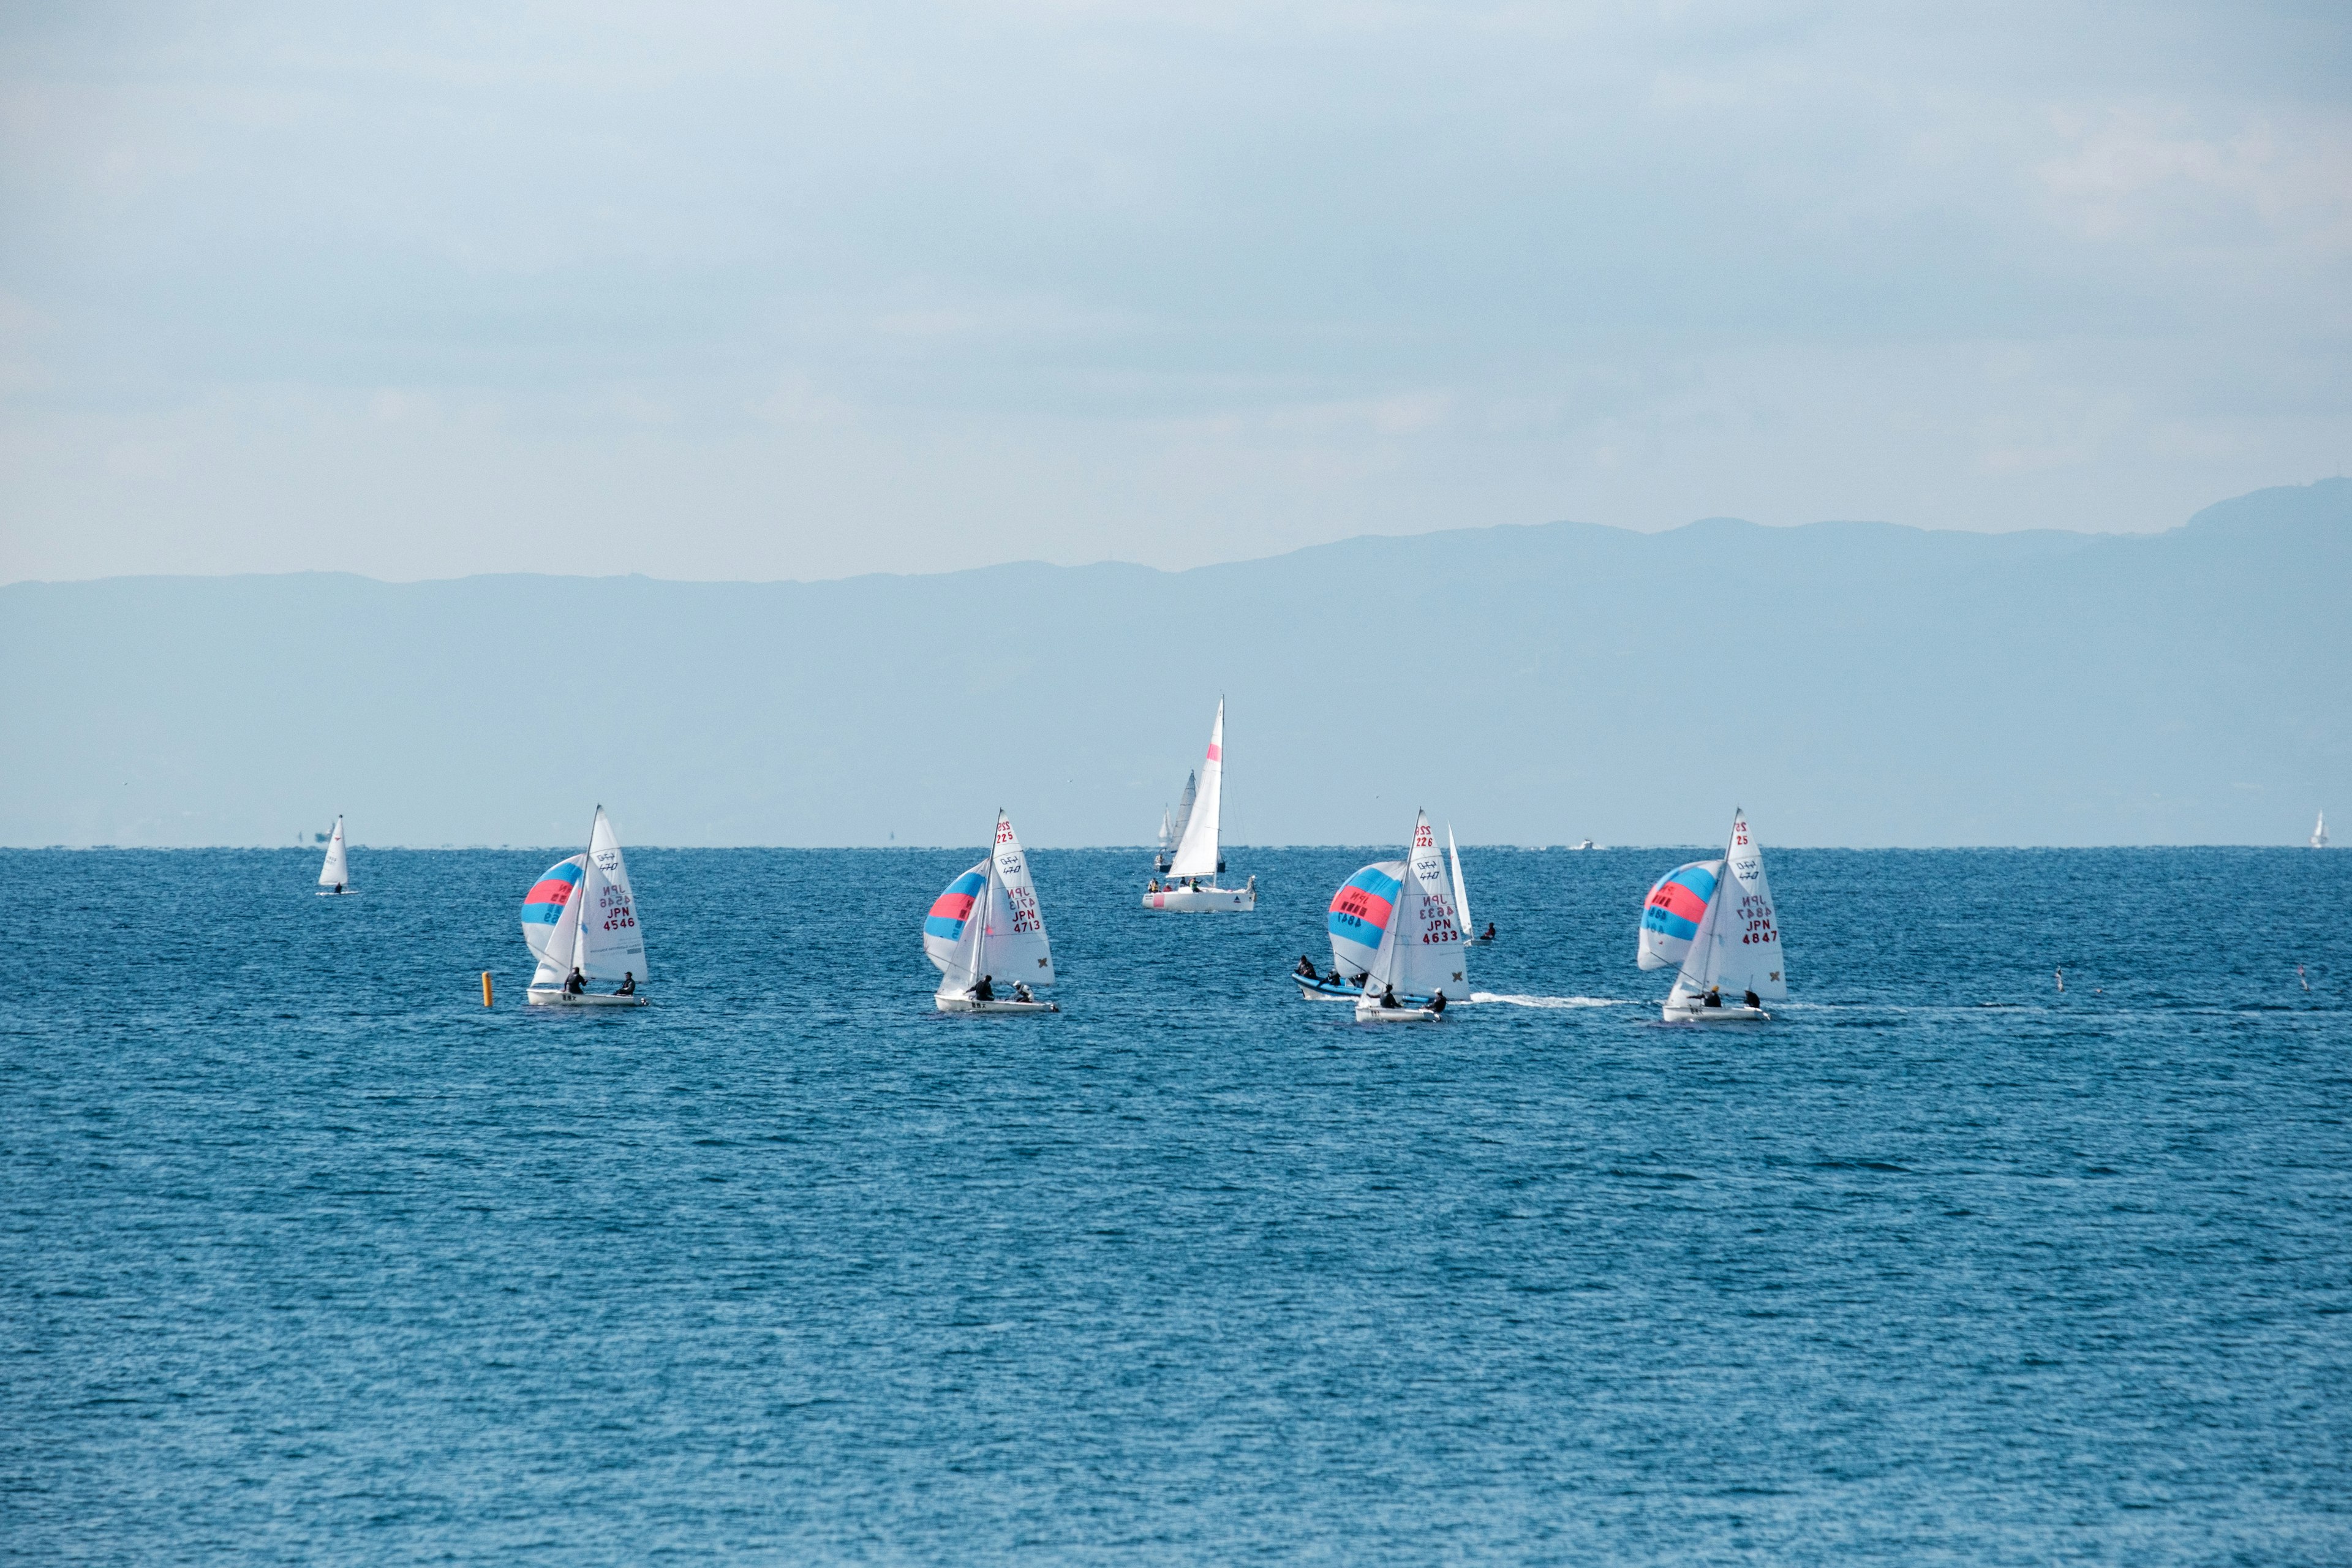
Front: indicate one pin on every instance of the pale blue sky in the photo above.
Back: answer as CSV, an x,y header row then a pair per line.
x,y
801,290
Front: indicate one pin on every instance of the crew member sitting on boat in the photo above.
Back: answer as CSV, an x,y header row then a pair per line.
x,y
628,985
1488,935
1306,970
1388,997
1438,1003
1361,975
1752,999
986,990
1021,992
1715,995
575,983
1153,886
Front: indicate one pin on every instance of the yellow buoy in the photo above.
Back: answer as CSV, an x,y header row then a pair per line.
x,y
485,987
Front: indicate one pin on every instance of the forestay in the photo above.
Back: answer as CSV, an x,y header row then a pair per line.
x,y
1196,854
337,871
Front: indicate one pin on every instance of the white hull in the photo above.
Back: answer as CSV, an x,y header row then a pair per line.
x,y
1729,1014
551,996
1378,1014
346,893
1317,993
1237,899
966,1005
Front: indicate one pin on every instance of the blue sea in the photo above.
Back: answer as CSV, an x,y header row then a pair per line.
x,y
309,1257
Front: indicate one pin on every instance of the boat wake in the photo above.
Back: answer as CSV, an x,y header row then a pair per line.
x,y
1552,1001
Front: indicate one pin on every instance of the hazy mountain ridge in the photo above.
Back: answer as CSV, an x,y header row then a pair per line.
x,y
1856,683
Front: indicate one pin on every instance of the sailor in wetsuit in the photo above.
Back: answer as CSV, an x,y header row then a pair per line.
x,y
1438,1003
628,985
1752,999
1021,992
1306,970
986,990
1388,997
1488,935
575,983
1333,978
1715,995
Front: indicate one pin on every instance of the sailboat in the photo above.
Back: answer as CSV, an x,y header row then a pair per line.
x,y
1420,953
986,926
335,876
2318,831
1167,837
1460,894
1192,874
581,915
1713,920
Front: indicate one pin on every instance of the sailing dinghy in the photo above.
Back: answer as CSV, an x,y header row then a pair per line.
x,y
1192,874
2318,831
1713,920
335,876
580,915
988,925
1420,952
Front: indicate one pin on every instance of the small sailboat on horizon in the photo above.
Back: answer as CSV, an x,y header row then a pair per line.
x,y
580,919
335,875
988,923
2318,831
1714,922
1192,873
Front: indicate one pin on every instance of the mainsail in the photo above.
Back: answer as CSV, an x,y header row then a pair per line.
x,y
1020,948
337,871
1196,853
1420,952
611,944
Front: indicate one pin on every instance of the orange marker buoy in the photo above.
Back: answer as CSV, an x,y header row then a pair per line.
x,y
485,987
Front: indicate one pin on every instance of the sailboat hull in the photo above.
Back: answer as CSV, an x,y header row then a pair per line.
x,y
551,996
1243,899
967,1005
1377,1015
331,893
1324,991
1674,1014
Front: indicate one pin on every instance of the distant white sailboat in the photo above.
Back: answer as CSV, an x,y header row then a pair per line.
x,y
1420,953
2318,831
1461,893
1192,874
1172,828
335,876
1713,920
581,919
988,924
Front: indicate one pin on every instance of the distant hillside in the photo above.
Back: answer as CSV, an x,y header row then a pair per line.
x,y
1850,683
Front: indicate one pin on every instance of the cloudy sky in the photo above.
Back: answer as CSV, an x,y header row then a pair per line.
x,y
799,291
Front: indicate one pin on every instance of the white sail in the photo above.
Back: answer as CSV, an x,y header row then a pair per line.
x,y
1184,809
1738,946
1460,894
1019,947
556,943
337,871
1428,948
2318,831
1167,830
1196,855
612,945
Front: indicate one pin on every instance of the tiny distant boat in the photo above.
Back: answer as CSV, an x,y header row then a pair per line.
x,y
581,917
1583,844
1419,950
1172,827
335,876
988,926
2318,831
1192,876
1714,922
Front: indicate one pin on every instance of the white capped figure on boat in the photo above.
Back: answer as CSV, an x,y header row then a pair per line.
x,y
1190,880
1713,922
580,921
987,935
335,876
